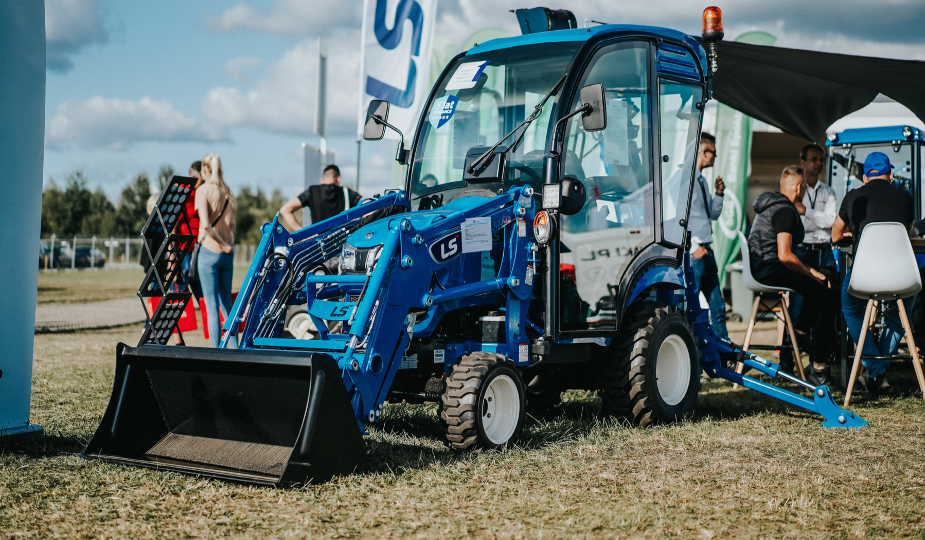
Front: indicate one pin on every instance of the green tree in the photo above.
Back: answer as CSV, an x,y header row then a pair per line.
x,y
133,212
52,209
163,176
255,209
75,205
101,216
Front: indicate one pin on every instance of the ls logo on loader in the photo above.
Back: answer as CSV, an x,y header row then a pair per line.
x,y
446,248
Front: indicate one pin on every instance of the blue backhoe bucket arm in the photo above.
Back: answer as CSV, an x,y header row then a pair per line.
x,y
715,351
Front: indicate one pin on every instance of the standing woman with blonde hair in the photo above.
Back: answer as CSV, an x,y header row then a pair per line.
x,y
217,211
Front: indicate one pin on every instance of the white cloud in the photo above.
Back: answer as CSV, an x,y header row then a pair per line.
x,y
239,68
285,100
70,26
290,17
116,124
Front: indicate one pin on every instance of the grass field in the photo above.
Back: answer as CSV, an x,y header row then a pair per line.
x,y
743,466
85,286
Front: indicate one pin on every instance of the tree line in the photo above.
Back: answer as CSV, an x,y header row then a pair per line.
x,y
75,210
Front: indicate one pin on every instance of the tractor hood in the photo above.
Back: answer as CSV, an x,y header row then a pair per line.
x,y
374,234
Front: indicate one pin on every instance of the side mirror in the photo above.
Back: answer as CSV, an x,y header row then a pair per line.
x,y
594,116
376,116
573,196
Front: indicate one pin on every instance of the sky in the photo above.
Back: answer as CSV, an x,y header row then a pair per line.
x,y
135,85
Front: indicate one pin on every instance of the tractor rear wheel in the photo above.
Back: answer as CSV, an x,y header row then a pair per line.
x,y
652,374
483,404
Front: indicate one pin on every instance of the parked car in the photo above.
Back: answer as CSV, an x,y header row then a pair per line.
x,y
43,252
88,257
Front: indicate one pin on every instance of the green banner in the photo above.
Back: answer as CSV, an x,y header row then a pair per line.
x,y
733,148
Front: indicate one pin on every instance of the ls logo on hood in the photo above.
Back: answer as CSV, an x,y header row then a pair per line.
x,y
446,248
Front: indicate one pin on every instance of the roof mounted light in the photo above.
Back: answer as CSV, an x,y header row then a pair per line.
x,y
831,136
712,33
907,132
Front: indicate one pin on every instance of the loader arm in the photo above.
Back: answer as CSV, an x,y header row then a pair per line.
x,y
377,326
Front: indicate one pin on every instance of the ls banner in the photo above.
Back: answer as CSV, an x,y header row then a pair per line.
x,y
733,148
395,59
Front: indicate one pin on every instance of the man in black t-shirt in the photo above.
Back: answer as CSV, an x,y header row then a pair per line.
x,y
877,201
323,201
776,230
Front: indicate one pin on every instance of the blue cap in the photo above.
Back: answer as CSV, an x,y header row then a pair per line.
x,y
876,164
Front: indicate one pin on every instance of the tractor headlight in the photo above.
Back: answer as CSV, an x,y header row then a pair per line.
x,y
348,258
543,227
372,256
907,132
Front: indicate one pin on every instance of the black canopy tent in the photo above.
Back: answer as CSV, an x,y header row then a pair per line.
x,y
804,92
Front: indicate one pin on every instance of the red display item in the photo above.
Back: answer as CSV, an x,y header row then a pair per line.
x,y
221,318
187,320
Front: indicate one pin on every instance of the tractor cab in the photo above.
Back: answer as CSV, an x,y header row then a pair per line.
x,y
848,149
633,169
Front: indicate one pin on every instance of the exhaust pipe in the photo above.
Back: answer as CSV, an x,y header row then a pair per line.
x,y
257,416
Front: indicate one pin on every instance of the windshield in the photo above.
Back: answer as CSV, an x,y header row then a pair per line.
x,y
845,168
481,99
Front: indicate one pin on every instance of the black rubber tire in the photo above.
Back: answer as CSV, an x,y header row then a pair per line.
x,y
461,402
630,388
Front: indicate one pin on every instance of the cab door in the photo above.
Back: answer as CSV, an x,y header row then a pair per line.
x,y
597,244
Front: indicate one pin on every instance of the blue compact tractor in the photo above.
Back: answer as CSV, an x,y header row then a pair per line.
x,y
538,244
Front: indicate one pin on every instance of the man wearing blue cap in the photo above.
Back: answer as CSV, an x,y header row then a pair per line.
x,y
877,201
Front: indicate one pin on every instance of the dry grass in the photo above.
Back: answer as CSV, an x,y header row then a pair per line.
x,y
85,286
743,466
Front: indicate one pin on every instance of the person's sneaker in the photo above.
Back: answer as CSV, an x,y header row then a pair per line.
x,y
880,386
819,377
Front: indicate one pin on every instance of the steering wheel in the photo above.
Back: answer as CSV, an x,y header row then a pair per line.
x,y
516,165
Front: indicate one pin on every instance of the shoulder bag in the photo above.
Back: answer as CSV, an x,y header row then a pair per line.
x,y
194,260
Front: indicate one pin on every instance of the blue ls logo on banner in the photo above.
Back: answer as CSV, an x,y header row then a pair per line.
x,y
389,38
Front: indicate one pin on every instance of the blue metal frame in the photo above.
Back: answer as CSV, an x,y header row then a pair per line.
x,y
378,326
714,349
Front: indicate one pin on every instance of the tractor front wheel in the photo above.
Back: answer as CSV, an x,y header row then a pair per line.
x,y
652,373
483,404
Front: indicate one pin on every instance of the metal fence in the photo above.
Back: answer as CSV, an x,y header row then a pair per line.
x,y
88,251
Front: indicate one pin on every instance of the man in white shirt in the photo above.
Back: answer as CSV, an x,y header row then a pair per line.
x,y
704,210
817,211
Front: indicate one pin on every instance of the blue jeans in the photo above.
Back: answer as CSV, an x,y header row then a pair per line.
x,y
706,278
817,259
853,309
215,270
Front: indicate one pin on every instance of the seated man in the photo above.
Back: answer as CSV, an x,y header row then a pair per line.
x,y
776,230
878,200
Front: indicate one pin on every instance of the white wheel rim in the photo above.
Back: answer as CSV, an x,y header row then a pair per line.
x,y
300,325
673,369
500,409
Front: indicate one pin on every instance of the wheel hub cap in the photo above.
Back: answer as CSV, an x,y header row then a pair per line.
x,y
673,369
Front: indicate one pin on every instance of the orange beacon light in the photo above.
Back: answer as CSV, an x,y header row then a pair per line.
x,y
712,33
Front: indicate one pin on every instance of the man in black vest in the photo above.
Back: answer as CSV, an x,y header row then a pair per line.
x,y
323,201
776,230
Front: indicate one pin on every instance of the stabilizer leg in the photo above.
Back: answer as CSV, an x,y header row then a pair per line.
x,y
822,402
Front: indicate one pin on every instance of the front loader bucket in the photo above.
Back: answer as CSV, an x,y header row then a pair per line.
x,y
263,417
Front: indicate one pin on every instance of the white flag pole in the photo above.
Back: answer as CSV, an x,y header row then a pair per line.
x,y
361,114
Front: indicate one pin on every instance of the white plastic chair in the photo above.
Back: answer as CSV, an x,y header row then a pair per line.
x,y
884,269
759,289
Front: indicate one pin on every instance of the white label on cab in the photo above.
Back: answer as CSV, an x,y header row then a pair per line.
x,y
439,355
524,353
466,75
